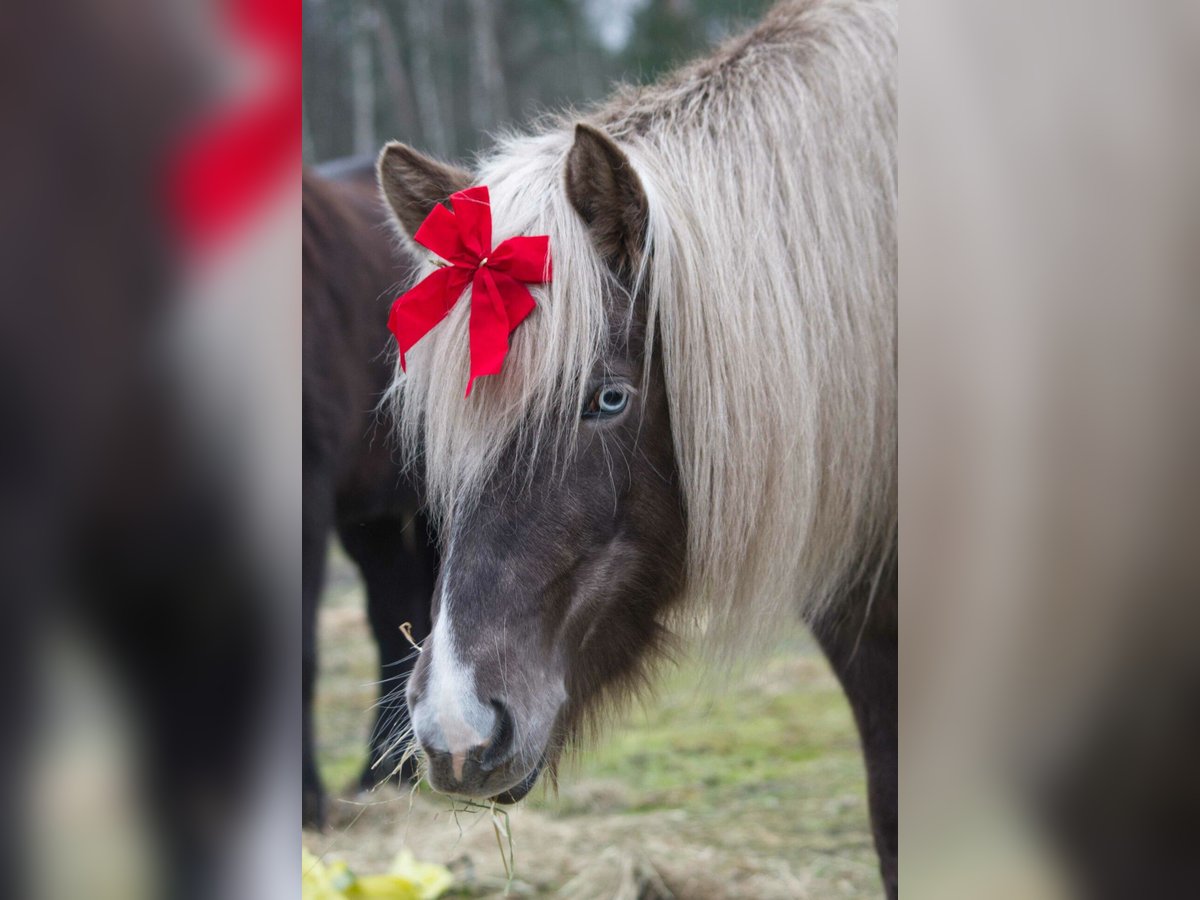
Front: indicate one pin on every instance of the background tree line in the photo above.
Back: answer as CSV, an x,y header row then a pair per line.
x,y
442,74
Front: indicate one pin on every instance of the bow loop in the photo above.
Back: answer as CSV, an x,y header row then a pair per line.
x,y
499,299
439,233
473,211
523,258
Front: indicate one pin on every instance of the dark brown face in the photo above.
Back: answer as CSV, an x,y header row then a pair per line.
x,y
550,594
554,586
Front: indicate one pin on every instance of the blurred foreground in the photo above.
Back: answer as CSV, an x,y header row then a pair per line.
x,y
149,466
1049,433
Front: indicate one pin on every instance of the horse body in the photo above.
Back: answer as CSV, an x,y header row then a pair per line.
x,y
697,423
352,484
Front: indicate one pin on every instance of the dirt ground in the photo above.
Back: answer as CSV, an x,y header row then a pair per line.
x,y
755,791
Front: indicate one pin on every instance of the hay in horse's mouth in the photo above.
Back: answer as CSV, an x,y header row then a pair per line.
x,y
518,792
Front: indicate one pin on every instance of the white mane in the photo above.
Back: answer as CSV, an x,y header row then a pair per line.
x,y
770,174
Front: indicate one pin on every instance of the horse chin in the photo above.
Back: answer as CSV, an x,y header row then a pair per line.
x,y
519,790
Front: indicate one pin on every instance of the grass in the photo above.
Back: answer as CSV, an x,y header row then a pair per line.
x,y
684,749
754,791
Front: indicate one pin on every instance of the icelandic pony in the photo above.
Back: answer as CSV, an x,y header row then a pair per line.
x,y
697,424
352,484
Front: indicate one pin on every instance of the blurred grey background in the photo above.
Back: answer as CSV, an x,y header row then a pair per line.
x,y
443,74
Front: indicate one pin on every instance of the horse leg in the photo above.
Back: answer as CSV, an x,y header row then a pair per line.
x,y
398,565
315,548
862,647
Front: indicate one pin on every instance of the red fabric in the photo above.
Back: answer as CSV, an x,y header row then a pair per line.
x,y
499,298
228,162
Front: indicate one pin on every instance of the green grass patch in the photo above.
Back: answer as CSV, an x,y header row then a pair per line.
x,y
783,735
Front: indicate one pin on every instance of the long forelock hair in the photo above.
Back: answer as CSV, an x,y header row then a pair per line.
x,y
769,284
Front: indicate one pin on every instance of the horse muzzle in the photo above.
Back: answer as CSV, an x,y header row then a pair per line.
x,y
479,769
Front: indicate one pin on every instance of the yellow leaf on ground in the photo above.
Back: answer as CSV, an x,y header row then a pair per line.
x,y
408,880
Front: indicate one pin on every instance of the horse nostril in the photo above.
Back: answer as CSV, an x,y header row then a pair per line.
x,y
502,737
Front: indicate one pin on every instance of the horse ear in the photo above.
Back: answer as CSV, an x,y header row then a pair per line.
x,y
413,183
608,195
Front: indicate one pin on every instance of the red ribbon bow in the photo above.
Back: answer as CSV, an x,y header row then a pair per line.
x,y
499,300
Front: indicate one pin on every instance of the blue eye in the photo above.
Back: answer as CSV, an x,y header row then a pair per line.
x,y
608,401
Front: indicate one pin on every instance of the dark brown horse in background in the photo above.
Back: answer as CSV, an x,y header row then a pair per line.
x,y
352,481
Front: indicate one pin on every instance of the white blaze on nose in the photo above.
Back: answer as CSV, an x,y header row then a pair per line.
x,y
450,716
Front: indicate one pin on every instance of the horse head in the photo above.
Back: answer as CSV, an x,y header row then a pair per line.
x,y
559,569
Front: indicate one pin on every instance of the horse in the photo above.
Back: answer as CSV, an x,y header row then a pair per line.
x,y
696,426
352,483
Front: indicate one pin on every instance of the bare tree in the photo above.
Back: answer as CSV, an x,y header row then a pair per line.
x,y
422,16
362,79
308,148
399,121
488,101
